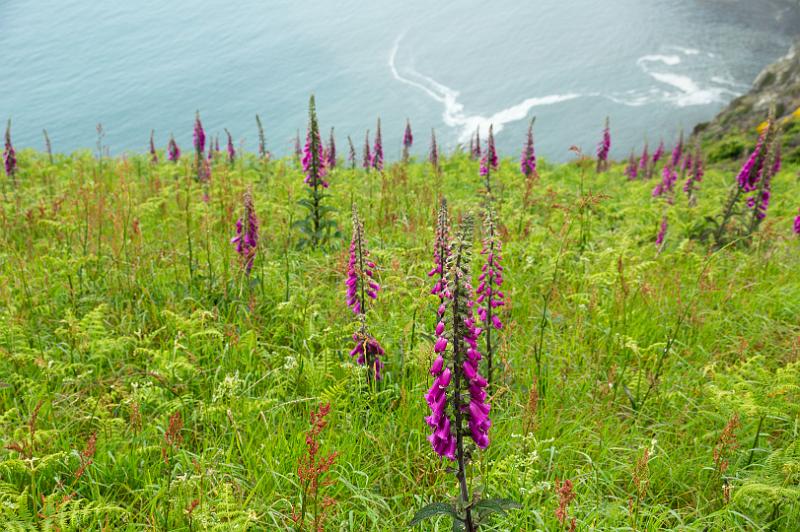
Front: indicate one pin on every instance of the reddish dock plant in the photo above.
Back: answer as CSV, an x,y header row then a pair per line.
x,y
311,470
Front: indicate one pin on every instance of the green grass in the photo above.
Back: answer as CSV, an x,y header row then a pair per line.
x,y
111,323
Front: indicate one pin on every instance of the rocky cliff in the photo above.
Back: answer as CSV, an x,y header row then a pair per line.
x,y
778,84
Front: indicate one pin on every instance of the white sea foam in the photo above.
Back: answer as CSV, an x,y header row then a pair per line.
x,y
670,60
454,114
685,51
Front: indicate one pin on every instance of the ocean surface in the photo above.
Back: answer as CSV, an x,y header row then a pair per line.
x,y
653,66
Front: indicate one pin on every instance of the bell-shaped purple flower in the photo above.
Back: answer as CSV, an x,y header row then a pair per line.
x,y
377,152
173,151
231,149
153,153
246,238
603,148
313,153
331,151
199,136
527,160
367,159
489,161
433,154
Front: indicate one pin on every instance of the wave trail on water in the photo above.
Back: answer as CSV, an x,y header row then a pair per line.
x,y
454,114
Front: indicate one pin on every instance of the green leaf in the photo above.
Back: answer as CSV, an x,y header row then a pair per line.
x,y
432,510
490,506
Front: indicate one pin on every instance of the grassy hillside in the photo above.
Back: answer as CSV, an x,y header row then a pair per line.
x,y
123,302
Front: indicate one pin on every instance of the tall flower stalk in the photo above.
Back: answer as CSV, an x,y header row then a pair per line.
x,y
173,151
657,155
246,238
489,161
362,287
331,151
662,233
476,145
262,140
377,152
677,152
603,148
527,165
408,140
199,142
10,156
352,155
696,173
433,153
457,398
441,253
230,148
48,146
490,297
748,180
298,150
153,152
632,170
366,160
315,227
759,202
644,161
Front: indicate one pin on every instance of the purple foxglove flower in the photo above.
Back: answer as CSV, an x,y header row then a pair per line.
x,y
776,164
174,152
658,153
751,170
489,295
231,149
367,160
9,155
797,225
644,160
153,153
408,138
298,151
677,152
696,172
667,185
360,270
359,284
527,161
246,238
369,352
632,169
314,162
262,141
662,232
441,251
457,379
603,149
352,155
476,151
489,161
331,151
433,155
199,136
377,152
216,144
